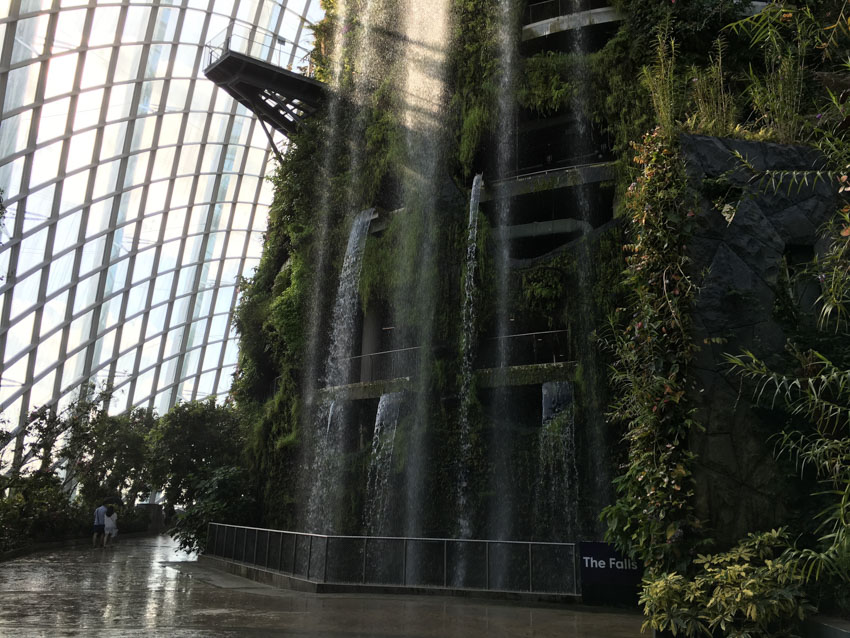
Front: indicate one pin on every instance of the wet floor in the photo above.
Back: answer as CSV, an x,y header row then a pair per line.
x,y
146,587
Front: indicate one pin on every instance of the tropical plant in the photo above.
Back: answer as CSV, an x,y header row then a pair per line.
x,y
750,591
662,82
786,36
225,496
653,518
819,394
714,107
189,444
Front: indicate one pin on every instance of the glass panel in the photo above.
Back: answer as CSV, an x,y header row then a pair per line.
x,y
20,87
144,387
156,321
103,348
46,163
19,337
81,151
136,299
85,294
136,24
69,30
73,369
60,273
42,390
144,265
39,205
54,313
150,352
54,116
206,384
106,20
80,328
211,356
67,230
218,329
130,335
60,75
48,353
74,191
89,105
224,299
14,132
29,35
162,288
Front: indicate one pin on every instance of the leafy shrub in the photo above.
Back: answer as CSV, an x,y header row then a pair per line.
x,y
547,84
748,592
35,508
224,497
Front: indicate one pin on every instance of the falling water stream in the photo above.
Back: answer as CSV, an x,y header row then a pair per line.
x,y
469,339
557,491
381,464
426,32
327,473
503,486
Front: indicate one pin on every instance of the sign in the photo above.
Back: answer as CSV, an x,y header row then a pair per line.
x,y
607,577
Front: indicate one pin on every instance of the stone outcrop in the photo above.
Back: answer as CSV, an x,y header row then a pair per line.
x,y
737,260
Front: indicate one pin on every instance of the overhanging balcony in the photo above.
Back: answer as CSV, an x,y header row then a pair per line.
x,y
255,69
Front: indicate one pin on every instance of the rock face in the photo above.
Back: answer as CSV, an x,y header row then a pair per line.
x,y
738,261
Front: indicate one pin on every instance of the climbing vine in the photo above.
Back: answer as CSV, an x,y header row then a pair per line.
x,y
653,518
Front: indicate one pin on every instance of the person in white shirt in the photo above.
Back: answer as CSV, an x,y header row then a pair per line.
x,y
110,530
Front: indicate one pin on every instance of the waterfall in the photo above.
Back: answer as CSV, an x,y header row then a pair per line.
x,y
374,53
505,151
468,340
426,35
329,150
344,319
502,506
381,464
327,473
596,473
557,492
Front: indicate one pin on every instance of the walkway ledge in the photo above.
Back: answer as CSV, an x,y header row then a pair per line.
x,y
286,581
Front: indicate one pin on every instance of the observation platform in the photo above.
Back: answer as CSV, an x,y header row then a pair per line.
x,y
250,67
533,358
548,180
556,16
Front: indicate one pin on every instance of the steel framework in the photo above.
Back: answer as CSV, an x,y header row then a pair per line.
x,y
135,197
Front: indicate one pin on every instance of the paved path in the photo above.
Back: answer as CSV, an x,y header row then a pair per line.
x,y
146,587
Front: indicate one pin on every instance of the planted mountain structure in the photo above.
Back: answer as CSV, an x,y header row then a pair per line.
x,y
533,274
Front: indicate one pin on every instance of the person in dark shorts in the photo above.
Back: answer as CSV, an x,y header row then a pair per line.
x,y
99,525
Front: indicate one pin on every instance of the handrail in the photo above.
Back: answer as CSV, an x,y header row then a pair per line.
x,y
549,9
396,538
255,42
375,354
529,334
406,562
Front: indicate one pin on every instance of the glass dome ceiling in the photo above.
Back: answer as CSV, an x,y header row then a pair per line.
x,y
135,196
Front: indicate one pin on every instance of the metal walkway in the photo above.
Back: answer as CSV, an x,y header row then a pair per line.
x,y
251,69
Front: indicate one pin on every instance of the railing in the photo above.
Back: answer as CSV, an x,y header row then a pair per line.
x,y
434,563
539,11
256,43
390,364
530,348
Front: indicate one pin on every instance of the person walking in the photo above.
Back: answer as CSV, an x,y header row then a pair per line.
x,y
110,530
99,526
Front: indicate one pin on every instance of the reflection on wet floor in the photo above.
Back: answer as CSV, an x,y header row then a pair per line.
x,y
147,587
